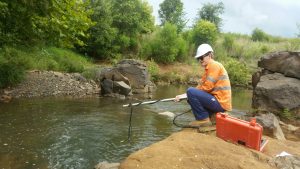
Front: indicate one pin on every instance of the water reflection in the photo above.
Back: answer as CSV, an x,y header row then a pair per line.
x,y
79,133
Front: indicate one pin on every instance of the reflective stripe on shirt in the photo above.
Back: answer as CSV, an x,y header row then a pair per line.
x,y
222,88
223,77
209,78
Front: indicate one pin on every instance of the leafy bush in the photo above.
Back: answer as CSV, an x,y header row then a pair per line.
x,y
237,72
92,72
259,35
287,114
11,74
153,69
204,32
165,46
182,49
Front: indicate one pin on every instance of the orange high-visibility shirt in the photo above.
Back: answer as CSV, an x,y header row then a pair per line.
x,y
215,81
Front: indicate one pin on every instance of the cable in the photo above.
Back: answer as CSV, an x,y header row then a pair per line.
x,y
130,120
183,126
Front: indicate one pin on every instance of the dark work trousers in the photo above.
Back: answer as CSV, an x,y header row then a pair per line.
x,y
202,103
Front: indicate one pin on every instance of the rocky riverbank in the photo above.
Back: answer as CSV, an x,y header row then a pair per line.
x,y
51,83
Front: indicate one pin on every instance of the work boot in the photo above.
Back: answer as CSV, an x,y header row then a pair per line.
x,y
212,118
200,123
206,129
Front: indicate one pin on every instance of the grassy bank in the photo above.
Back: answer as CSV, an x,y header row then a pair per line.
x,y
14,61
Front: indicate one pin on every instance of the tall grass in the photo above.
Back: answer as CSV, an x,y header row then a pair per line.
x,y
247,51
15,61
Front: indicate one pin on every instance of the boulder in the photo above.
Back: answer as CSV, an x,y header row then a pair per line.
x,y
286,63
113,74
128,76
271,126
275,93
108,87
137,73
121,88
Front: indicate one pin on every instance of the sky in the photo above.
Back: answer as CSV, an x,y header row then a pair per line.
x,y
275,17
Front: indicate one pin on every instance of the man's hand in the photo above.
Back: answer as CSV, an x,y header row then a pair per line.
x,y
179,97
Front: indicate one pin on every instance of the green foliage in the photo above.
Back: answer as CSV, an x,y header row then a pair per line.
x,y
14,56
15,61
182,46
11,74
166,46
92,72
50,58
237,72
287,114
171,11
292,44
153,69
204,32
245,50
131,18
211,12
66,24
13,64
259,35
55,22
146,46
101,43
228,43
67,60
119,26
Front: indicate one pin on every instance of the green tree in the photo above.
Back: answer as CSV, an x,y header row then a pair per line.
x,y
167,45
259,35
204,32
131,18
66,24
211,12
172,11
101,42
57,22
3,15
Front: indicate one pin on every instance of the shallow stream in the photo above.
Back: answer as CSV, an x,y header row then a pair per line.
x,y
61,133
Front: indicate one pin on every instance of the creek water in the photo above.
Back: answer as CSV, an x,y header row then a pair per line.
x,y
61,133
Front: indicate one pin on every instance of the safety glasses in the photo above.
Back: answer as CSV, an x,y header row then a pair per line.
x,y
202,57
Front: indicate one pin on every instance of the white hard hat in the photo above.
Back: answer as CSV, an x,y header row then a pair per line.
x,y
203,49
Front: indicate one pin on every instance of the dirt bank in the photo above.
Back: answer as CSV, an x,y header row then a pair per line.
x,y
189,149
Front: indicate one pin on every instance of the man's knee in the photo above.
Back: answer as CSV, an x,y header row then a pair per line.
x,y
194,92
190,91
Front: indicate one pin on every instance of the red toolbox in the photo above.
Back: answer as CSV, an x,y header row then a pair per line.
x,y
239,131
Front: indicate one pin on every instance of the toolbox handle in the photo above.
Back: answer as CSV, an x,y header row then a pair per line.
x,y
253,122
